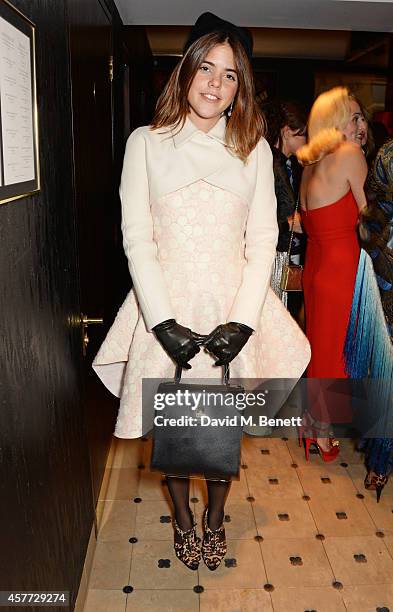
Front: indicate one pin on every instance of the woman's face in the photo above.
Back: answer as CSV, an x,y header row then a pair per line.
x,y
291,140
213,87
356,128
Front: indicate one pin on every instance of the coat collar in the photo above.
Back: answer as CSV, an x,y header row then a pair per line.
x,y
189,130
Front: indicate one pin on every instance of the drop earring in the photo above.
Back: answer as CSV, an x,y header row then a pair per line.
x,y
230,109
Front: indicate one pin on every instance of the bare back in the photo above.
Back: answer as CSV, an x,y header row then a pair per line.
x,y
328,180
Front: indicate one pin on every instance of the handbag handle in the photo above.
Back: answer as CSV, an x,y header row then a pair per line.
x,y
292,232
225,375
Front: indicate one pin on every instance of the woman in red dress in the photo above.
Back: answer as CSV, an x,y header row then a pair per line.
x,y
331,196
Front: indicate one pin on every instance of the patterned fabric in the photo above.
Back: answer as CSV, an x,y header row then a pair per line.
x,y
158,163
377,226
379,457
214,545
199,232
187,545
377,239
383,169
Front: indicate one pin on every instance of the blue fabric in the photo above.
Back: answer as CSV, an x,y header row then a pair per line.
x,y
379,454
382,283
288,166
386,206
369,355
378,241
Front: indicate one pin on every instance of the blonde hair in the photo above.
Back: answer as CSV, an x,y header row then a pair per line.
x,y
329,115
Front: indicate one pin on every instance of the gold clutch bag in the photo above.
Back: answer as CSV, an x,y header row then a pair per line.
x,y
291,278
292,274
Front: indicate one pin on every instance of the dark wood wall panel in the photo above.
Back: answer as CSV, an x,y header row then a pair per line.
x,y
46,509
56,419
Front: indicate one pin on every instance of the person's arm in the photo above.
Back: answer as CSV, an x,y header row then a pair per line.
x,y
355,167
137,226
260,249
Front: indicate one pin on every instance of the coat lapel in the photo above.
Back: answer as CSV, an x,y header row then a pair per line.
x,y
179,158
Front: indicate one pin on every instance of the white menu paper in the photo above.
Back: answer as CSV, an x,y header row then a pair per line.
x,y
16,105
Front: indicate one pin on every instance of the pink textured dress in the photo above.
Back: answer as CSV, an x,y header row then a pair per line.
x,y
199,232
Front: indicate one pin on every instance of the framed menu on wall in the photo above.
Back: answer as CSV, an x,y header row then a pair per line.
x,y
19,164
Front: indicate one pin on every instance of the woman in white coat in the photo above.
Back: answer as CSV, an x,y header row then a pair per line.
x,y
200,231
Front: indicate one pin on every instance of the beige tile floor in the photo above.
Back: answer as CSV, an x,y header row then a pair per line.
x,y
302,536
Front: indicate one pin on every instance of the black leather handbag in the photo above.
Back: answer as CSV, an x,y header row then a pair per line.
x,y
208,445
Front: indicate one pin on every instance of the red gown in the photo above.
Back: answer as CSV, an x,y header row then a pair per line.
x,y
328,281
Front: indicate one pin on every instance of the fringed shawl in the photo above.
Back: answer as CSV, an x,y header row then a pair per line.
x,y
368,348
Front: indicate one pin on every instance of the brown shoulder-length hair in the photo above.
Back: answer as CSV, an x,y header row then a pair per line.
x,y
245,126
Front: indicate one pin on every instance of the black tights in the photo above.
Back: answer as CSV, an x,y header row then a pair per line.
x,y
179,489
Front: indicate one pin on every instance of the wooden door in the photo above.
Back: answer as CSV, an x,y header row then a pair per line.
x,y
91,53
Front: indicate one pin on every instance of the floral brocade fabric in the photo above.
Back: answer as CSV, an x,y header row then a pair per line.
x,y
199,232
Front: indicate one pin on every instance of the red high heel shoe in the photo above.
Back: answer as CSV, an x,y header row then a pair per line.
x,y
309,434
329,455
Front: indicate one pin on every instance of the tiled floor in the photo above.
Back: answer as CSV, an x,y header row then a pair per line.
x,y
302,536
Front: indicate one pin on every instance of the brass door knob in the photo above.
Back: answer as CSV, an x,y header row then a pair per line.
x,y
87,321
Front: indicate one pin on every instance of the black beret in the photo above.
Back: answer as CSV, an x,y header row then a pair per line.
x,y
208,23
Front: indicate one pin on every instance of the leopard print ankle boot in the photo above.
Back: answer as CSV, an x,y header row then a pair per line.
x,y
187,545
214,545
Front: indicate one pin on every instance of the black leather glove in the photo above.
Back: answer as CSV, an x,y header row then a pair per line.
x,y
179,342
226,341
